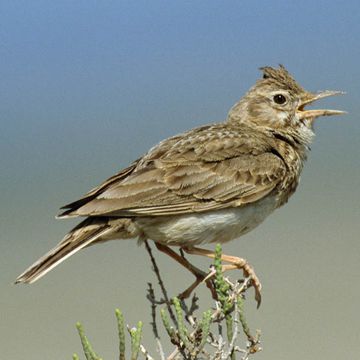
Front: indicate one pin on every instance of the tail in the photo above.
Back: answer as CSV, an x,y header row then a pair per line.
x,y
82,235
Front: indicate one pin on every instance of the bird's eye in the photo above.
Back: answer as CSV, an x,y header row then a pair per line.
x,y
279,99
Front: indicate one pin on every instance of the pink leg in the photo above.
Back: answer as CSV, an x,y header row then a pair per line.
x,y
200,275
235,263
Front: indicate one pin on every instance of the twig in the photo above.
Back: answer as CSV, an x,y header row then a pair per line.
x,y
193,336
160,282
160,349
145,353
121,331
189,312
151,297
235,333
173,354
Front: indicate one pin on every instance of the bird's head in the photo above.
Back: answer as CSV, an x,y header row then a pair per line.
x,y
278,102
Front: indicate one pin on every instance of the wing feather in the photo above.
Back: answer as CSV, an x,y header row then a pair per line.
x,y
206,169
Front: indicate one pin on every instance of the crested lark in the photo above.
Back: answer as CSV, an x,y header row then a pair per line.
x,y
210,184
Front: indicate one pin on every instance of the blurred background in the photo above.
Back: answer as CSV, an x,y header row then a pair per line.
x,y
88,86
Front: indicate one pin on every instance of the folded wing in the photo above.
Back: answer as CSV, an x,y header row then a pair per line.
x,y
205,169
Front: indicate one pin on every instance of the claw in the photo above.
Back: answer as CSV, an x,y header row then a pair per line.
x,y
234,263
257,297
255,282
211,274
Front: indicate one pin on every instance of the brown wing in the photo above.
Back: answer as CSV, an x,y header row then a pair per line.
x,y
207,168
98,190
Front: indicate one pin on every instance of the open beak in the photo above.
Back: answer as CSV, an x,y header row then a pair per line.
x,y
312,114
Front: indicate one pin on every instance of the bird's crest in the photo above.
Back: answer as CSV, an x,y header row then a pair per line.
x,y
281,76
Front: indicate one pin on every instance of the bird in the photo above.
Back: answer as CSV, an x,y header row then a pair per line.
x,y
211,184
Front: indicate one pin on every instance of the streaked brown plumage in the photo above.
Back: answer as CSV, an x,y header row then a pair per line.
x,y
210,184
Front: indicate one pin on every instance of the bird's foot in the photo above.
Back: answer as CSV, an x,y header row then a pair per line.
x,y
248,273
234,263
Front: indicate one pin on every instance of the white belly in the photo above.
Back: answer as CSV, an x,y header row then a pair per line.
x,y
201,228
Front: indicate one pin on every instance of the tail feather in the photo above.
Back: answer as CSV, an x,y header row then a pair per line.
x,y
82,235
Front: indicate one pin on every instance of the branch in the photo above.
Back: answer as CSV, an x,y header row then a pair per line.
x,y
193,336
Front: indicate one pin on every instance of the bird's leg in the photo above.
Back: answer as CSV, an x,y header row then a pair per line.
x,y
235,263
199,274
181,260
